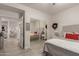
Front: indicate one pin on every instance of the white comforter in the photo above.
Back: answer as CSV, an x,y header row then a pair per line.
x,y
69,45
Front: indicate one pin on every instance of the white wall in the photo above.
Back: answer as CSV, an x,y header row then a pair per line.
x,y
38,15
34,26
8,14
69,17
64,18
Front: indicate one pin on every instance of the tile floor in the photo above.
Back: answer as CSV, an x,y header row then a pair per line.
x,y
11,48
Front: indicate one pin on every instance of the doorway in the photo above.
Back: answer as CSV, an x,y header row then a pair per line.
x,y
37,29
34,30
12,32
12,25
36,40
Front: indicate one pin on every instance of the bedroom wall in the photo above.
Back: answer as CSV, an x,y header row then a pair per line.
x,y
34,26
8,14
64,18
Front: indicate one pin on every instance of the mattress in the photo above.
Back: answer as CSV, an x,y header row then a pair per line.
x,y
69,45
34,37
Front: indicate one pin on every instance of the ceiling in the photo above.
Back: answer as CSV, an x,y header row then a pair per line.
x,y
49,7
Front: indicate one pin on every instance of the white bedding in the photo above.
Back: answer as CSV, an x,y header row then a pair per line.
x,y
66,44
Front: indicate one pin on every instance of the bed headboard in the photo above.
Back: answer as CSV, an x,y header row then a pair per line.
x,y
71,28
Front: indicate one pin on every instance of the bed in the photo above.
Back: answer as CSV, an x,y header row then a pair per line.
x,y
34,36
62,46
59,47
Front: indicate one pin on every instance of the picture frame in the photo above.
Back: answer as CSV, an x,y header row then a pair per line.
x,y
55,26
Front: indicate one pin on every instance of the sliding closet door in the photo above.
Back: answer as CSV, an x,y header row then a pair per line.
x,y
21,33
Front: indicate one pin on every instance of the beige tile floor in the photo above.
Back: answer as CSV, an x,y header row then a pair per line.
x,y
11,48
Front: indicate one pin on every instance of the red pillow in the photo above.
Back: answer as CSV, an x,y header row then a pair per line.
x,y
72,36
